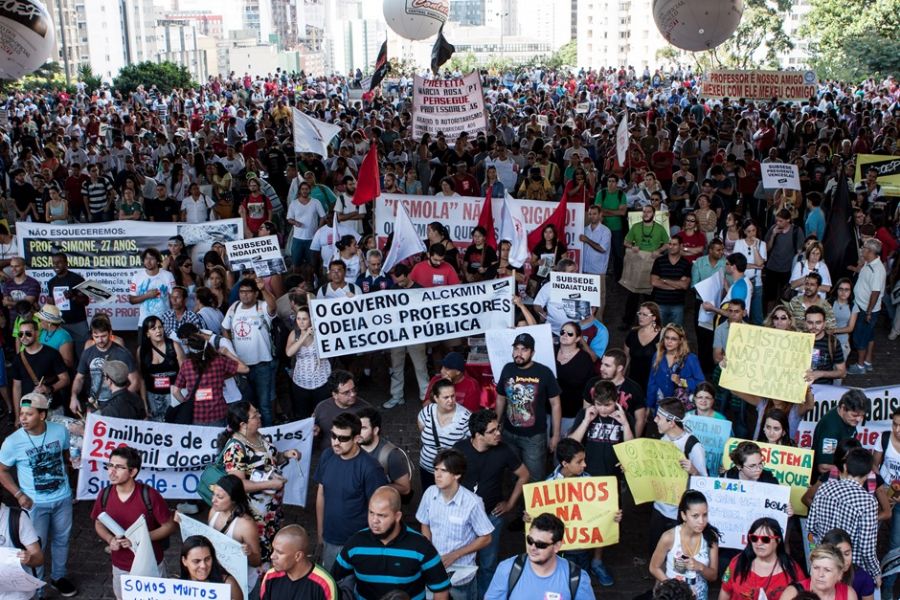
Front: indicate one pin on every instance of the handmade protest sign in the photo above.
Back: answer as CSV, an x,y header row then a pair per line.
x,y
262,255
790,466
228,549
575,287
157,588
712,433
767,362
452,106
735,503
887,169
652,470
174,456
760,85
499,346
587,506
780,176
13,578
399,317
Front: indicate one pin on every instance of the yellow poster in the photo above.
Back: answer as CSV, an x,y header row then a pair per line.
x,y
888,168
652,470
662,217
791,466
587,505
767,362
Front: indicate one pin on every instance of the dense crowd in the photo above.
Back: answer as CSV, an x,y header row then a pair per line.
x,y
214,344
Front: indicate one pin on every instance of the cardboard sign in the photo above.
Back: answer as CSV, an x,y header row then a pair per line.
x,y
575,287
791,466
713,434
734,504
780,176
451,106
262,255
760,85
157,588
652,470
587,506
499,346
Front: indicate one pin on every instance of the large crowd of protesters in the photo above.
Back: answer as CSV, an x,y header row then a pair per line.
x,y
214,344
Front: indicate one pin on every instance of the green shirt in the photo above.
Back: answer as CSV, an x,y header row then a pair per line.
x,y
830,431
648,239
608,202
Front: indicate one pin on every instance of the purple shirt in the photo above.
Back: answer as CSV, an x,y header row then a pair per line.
x,y
20,291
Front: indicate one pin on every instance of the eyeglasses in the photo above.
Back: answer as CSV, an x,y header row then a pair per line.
x,y
567,333
762,539
115,467
341,438
756,467
537,543
23,334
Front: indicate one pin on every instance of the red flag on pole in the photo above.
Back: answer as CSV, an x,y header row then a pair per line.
x,y
557,218
368,186
486,220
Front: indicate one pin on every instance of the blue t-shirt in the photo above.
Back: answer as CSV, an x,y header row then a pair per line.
x,y
530,586
348,485
56,339
815,223
39,463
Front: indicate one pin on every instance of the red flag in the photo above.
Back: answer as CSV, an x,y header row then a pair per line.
x,y
557,218
486,220
368,186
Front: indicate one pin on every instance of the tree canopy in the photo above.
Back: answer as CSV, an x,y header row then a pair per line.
x,y
165,76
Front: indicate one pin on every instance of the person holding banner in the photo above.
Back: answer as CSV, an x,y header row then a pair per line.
x,y
232,515
689,551
199,563
762,567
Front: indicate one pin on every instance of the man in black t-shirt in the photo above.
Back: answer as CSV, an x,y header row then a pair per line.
x,y
488,461
69,301
163,208
293,574
631,396
37,368
392,459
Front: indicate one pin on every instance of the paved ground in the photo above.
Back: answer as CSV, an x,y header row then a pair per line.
x,y
90,567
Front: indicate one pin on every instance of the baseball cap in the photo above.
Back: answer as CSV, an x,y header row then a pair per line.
x,y
35,400
117,371
524,339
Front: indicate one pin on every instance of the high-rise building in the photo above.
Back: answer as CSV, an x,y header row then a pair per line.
x,y
257,17
285,23
205,22
614,33
469,13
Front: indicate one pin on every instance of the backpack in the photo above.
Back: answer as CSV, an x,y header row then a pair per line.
x,y
689,445
15,516
382,459
148,504
885,440
519,565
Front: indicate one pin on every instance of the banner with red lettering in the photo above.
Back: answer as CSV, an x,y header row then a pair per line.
x,y
587,506
460,215
451,106
760,85
882,402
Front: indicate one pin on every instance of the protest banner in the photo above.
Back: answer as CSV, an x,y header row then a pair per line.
x,y
735,503
577,287
262,255
399,317
652,470
499,346
767,362
158,588
888,168
460,215
109,254
882,402
790,466
780,176
661,217
13,578
587,506
760,85
228,550
712,433
451,106
174,456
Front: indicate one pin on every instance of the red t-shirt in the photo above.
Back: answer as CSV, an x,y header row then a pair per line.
x,y
748,589
427,276
695,240
258,210
125,514
468,391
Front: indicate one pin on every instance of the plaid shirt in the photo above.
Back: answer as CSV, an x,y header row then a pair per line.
x,y
171,323
843,503
209,401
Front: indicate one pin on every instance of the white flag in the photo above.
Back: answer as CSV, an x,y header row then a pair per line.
x,y
622,139
312,135
335,238
406,241
512,228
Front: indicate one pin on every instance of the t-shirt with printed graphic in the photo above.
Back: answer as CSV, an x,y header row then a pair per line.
x,y
90,366
250,332
826,354
142,282
830,430
599,438
631,396
528,392
39,462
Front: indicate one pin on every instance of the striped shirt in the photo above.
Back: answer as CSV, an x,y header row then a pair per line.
x,y
456,430
408,562
95,193
454,523
315,585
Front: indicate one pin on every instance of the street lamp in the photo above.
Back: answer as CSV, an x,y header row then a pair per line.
x,y
502,15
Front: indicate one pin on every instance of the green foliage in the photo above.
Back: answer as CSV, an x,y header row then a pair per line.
x,y
86,75
48,76
758,41
853,39
464,63
165,76
566,56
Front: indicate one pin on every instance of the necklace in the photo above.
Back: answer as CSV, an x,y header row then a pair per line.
x,y
43,439
646,237
692,552
259,445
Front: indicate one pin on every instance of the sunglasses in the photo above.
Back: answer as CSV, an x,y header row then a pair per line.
x,y
23,334
341,438
762,539
781,318
567,333
537,544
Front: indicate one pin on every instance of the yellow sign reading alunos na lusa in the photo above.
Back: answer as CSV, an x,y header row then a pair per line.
x,y
587,506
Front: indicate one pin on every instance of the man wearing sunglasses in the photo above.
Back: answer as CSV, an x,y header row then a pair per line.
x,y
37,368
540,573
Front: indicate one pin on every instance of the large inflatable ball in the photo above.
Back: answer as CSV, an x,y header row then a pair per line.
x,y
697,25
26,37
416,19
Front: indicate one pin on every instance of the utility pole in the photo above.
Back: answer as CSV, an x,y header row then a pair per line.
x,y
65,47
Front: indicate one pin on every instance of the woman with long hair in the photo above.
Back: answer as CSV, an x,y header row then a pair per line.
x,y
690,550
231,514
56,209
578,189
442,423
217,283
775,428
349,254
641,343
491,182
827,567
755,250
762,566
204,372
501,267
675,370
199,563
184,276
845,312
438,233
478,255
547,252
255,209
159,359
309,379
574,367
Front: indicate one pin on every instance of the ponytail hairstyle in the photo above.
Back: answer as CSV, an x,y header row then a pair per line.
x,y
692,498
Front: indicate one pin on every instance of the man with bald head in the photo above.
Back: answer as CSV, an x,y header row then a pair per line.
x,y
293,574
390,556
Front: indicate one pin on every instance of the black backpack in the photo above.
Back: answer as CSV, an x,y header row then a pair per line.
x,y
148,504
519,565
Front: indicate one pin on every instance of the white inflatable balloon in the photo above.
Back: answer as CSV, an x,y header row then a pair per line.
x,y
697,25
416,19
26,37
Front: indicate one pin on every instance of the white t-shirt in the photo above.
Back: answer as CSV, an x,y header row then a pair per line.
x,y
27,536
323,241
250,332
556,314
197,211
141,283
307,215
345,206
